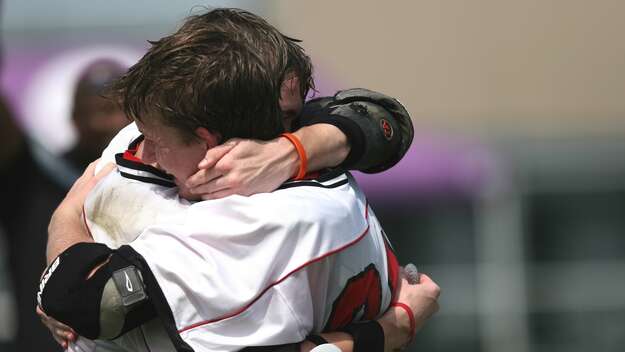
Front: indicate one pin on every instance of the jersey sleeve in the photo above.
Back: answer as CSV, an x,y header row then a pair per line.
x,y
118,144
377,126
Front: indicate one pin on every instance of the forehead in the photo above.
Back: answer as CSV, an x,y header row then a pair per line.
x,y
150,121
158,131
151,129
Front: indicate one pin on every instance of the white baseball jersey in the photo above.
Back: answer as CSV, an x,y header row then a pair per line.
x,y
245,271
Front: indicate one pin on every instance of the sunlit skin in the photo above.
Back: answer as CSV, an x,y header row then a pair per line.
x,y
164,148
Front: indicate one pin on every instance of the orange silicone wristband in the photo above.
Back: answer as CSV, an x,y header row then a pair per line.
x,y
303,160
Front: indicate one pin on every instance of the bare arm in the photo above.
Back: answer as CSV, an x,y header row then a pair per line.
x,y
248,166
66,227
325,145
356,129
422,298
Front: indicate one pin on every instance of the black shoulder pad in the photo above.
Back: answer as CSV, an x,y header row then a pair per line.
x,y
62,294
109,303
405,130
377,126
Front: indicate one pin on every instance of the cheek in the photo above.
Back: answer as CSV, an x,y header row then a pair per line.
x,y
180,163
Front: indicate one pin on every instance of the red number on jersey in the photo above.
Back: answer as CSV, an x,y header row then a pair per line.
x,y
362,292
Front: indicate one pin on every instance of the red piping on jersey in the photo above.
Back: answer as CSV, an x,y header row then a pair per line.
x,y
393,268
312,261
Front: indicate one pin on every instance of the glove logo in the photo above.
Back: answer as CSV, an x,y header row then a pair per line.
x,y
387,129
128,283
46,277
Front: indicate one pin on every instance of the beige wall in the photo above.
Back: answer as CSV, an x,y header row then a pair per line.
x,y
548,68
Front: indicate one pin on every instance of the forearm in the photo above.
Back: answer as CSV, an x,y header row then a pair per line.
x,y
325,145
394,338
66,226
394,323
65,229
340,339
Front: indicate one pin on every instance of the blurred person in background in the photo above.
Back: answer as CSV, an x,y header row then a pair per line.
x,y
29,196
24,214
95,118
12,153
25,210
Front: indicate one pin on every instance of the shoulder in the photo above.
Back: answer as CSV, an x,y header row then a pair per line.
x,y
327,201
119,144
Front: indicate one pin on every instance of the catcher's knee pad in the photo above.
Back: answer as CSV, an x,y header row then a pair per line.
x,y
109,303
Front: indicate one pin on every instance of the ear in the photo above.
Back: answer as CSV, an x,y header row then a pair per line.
x,y
290,85
211,139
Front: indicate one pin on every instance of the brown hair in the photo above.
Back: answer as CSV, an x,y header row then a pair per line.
x,y
221,70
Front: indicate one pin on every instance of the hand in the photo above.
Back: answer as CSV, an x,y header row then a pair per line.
x,y
75,198
244,167
62,333
422,298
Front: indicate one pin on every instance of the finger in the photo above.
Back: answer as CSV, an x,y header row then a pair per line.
x,y
55,324
40,312
217,184
61,333
90,170
60,328
104,171
59,339
219,188
424,278
219,194
213,155
202,178
87,174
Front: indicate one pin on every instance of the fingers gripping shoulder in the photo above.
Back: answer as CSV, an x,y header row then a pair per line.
x,y
99,305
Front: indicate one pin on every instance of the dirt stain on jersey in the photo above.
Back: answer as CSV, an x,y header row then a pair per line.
x,y
117,213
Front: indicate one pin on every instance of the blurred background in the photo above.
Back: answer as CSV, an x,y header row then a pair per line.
x,y
512,196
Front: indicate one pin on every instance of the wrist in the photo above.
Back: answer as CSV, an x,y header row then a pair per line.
x,y
301,155
288,155
326,145
396,325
